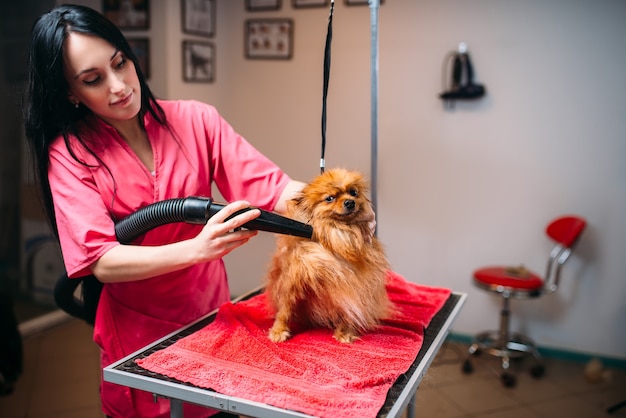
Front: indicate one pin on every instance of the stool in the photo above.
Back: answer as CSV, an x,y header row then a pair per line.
x,y
520,283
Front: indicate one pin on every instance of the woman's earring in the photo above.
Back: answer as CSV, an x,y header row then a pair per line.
x,y
76,105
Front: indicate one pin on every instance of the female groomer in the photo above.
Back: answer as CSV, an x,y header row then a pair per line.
x,y
104,147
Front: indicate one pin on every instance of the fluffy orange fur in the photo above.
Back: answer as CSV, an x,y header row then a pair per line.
x,y
337,279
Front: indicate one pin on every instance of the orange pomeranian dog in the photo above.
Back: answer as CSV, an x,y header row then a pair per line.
x,y
336,279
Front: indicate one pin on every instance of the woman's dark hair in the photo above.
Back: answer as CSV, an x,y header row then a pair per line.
x,y
48,112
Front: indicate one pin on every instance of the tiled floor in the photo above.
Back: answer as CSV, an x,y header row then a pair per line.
x,y
563,392
61,376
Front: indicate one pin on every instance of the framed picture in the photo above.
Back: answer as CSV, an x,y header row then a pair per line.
x,y
128,14
360,2
309,3
141,49
199,17
258,5
198,62
269,38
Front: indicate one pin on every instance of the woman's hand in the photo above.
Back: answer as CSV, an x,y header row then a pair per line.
x,y
221,236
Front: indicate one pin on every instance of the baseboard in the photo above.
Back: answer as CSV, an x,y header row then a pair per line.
x,y
43,323
559,354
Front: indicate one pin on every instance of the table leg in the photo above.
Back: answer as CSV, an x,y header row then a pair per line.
x,y
176,408
410,408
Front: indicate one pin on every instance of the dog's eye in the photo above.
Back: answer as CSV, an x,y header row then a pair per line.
x,y
354,193
330,199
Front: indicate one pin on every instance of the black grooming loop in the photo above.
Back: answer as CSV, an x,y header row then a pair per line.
x,y
329,38
461,85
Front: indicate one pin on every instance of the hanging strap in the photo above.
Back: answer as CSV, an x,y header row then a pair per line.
x,y
329,37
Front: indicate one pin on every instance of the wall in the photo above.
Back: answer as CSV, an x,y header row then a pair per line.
x,y
10,47
457,188
29,258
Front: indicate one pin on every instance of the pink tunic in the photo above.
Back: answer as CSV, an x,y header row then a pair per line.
x,y
201,149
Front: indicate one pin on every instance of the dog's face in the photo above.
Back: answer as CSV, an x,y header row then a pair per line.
x,y
338,195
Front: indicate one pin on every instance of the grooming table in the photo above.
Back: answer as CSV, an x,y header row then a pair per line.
x,y
127,373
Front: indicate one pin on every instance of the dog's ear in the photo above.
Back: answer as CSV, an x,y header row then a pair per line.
x,y
296,200
299,207
294,203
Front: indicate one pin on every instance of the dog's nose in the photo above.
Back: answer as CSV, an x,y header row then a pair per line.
x,y
348,204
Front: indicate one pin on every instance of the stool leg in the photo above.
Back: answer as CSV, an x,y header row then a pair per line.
x,y
504,337
505,314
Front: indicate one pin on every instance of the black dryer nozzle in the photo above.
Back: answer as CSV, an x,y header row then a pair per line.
x,y
269,222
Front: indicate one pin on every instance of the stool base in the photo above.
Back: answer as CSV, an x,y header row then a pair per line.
x,y
515,346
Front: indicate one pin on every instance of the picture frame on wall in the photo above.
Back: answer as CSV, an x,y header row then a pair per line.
x,y
359,2
141,49
262,5
198,17
198,61
128,14
309,3
269,38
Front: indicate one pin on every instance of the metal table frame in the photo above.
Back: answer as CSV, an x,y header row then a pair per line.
x,y
125,372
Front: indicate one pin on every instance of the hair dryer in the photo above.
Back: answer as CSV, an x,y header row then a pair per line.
x,y
198,210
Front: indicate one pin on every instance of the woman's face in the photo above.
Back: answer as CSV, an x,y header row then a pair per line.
x,y
101,78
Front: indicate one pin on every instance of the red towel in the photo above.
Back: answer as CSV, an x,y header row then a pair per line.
x,y
311,372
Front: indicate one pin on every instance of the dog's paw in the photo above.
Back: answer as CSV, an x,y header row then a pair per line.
x,y
346,337
279,334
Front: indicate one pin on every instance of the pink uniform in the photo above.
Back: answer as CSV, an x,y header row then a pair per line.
x,y
201,148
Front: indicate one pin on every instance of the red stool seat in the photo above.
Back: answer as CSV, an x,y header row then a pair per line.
x,y
511,278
